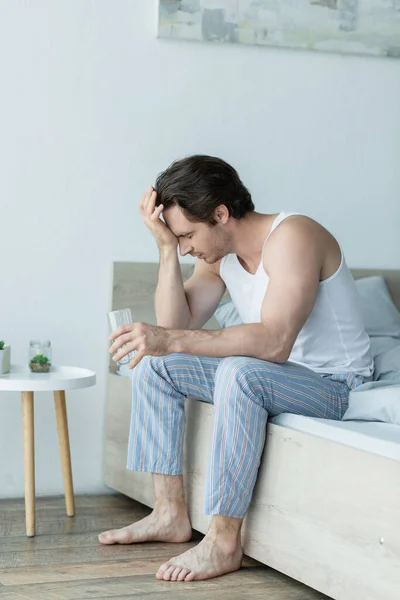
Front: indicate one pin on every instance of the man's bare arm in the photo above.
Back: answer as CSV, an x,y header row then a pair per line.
x,y
294,265
178,305
172,309
170,303
190,304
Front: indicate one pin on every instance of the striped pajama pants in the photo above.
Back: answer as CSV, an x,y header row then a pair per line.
x,y
245,392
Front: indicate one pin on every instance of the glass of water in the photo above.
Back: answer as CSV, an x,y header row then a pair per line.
x,y
116,318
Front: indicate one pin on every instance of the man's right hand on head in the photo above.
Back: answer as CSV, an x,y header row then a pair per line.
x,y
151,215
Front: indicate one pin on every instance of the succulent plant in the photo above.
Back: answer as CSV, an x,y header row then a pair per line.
x,y
2,344
40,359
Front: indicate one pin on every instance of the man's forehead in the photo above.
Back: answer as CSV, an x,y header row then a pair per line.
x,y
176,220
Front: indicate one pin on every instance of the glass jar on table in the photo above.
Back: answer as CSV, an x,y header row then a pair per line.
x,y
40,356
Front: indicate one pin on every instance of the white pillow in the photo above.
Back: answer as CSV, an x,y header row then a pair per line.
x,y
380,315
375,401
227,314
382,344
387,365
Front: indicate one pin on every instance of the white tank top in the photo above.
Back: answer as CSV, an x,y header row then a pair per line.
x,y
333,339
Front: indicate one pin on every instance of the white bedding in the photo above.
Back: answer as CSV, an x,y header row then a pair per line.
x,y
378,438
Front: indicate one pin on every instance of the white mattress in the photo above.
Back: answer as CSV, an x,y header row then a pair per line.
x,y
371,436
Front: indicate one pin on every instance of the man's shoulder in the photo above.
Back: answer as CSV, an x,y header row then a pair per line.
x,y
299,226
301,236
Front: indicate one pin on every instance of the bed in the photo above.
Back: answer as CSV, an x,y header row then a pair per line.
x,y
326,506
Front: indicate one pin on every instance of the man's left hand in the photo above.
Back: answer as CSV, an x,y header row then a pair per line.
x,y
144,339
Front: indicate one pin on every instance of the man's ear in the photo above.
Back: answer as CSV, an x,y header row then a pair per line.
x,y
221,214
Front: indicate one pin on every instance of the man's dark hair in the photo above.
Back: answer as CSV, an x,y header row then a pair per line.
x,y
198,184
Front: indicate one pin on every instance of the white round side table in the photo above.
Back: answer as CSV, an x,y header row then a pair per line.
x,y
58,380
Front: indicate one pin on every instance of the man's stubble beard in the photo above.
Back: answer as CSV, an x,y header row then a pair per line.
x,y
220,249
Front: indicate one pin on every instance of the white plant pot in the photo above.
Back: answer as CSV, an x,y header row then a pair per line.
x,y
5,356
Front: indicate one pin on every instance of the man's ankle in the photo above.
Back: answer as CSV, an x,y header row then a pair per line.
x,y
225,529
174,509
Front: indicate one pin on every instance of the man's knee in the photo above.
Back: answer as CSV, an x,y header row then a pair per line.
x,y
233,365
233,370
244,373
145,368
152,366
239,366
142,366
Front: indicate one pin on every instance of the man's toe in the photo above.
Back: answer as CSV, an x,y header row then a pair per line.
x,y
168,573
161,570
175,573
107,537
183,574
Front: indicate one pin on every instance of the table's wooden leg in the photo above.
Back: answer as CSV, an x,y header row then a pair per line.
x,y
63,437
28,435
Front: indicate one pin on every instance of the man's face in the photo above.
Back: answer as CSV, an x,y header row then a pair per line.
x,y
209,243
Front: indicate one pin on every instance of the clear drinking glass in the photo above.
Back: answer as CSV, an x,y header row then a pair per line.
x,y
116,318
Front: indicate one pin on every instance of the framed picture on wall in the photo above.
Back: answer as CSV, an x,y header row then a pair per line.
x,y
369,27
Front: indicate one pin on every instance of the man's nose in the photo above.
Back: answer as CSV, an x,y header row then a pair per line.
x,y
184,247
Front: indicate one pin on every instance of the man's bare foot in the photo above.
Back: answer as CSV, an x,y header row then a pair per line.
x,y
159,526
212,557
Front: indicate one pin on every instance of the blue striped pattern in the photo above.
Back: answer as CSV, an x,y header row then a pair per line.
x,y
245,392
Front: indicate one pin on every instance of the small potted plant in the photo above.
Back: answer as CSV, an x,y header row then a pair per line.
x,y
40,356
5,356
40,364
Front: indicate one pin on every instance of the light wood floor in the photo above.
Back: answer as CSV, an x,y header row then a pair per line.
x,y
66,562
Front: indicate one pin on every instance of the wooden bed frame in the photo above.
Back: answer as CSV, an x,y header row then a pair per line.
x,y
323,513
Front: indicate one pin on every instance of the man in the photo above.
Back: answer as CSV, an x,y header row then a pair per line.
x,y
301,348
